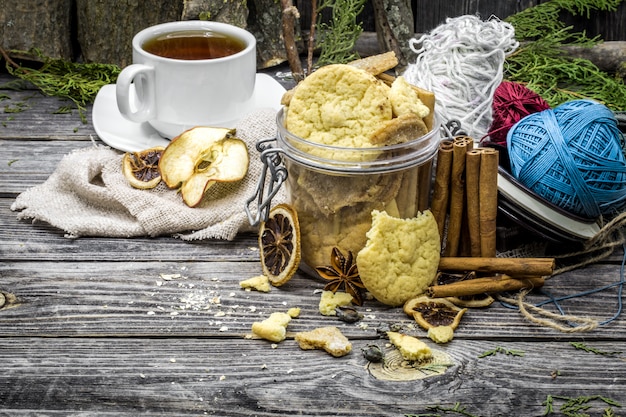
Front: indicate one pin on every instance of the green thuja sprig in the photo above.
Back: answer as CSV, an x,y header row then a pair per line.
x,y
544,19
541,64
589,349
16,108
501,350
576,407
338,37
77,82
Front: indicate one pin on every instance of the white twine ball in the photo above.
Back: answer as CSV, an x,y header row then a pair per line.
x,y
461,61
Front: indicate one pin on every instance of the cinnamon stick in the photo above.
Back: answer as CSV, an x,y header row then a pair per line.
x,y
472,172
488,200
441,187
457,196
468,140
489,285
519,267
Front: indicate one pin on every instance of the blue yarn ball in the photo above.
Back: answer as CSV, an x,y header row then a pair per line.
x,y
572,156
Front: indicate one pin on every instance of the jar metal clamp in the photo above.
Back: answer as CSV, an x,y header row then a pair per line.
x,y
267,188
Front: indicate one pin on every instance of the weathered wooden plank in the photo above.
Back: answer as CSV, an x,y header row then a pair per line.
x,y
610,26
32,116
22,240
135,298
48,244
103,377
429,14
26,163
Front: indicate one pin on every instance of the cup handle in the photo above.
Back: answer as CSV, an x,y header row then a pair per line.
x,y
136,104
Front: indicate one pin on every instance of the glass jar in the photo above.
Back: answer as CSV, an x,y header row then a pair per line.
x,y
334,189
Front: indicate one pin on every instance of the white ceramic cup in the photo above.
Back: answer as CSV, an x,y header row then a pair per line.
x,y
174,95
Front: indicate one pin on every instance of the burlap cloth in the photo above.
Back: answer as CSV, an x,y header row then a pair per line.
x,y
87,195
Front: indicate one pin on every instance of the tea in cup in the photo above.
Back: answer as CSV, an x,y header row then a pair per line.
x,y
186,74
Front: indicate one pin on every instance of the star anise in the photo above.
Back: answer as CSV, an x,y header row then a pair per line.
x,y
343,274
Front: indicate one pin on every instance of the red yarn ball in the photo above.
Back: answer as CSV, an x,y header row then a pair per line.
x,y
511,103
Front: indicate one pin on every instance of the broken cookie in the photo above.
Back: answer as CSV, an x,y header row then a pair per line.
x,y
329,339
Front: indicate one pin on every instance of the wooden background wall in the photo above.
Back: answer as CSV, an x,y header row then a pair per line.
x,y
430,13
612,26
101,30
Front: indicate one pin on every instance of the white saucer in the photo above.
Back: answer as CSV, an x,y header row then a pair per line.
x,y
120,133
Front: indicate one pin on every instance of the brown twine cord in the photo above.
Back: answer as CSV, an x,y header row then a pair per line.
x,y
615,224
551,319
597,248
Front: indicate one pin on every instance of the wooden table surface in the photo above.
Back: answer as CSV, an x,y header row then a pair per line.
x,y
96,326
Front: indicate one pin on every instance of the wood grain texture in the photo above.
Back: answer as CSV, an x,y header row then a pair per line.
x,y
133,297
226,377
105,31
26,163
610,26
45,25
429,14
33,122
160,327
266,25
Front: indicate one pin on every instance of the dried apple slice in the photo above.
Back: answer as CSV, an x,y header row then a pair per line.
x,y
194,188
182,155
200,157
224,161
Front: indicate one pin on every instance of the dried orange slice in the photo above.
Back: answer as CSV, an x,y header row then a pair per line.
x,y
141,169
433,312
279,242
